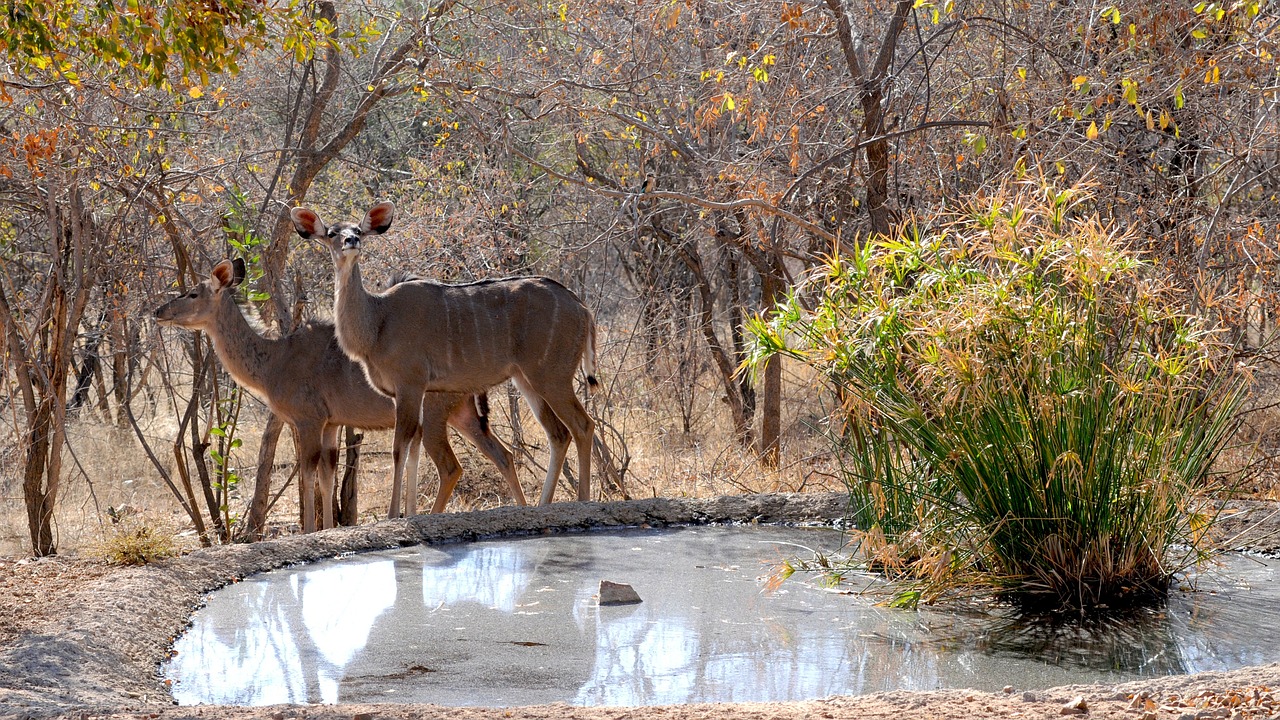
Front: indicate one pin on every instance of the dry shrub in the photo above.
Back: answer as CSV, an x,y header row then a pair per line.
x,y
132,540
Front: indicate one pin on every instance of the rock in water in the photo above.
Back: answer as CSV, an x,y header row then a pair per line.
x,y
612,593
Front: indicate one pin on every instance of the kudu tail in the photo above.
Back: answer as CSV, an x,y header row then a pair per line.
x,y
482,409
589,362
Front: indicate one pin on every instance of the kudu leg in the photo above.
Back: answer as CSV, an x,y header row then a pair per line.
x,y
574,415
558,436
309,450
465,420
494,450
327,466
407,435
435,440
411,475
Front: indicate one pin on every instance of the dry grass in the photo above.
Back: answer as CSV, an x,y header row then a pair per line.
x,y
106,467
1255,456
132,540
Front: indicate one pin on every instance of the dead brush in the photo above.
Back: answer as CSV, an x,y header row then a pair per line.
x,y
131,540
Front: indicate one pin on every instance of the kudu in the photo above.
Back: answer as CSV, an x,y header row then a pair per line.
x,y
305,378
422,336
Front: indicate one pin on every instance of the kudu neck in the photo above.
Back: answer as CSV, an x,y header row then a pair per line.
x,y
350,306
243,352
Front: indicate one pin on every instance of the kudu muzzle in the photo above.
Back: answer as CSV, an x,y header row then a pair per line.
x,y
350,239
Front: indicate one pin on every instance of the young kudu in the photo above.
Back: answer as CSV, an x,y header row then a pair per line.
x,y
421,336
306,379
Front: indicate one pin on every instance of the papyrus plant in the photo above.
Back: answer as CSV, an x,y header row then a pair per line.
x,y
1023,405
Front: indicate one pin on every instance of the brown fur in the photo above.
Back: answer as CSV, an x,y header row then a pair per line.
x,y
305,378
426,336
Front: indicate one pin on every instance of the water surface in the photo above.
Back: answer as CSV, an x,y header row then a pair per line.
x,y
515,622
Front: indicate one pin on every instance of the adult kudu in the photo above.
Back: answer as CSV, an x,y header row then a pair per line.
x,y
307,380
422,335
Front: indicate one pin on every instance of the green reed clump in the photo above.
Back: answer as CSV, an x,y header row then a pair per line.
x,y
1024,406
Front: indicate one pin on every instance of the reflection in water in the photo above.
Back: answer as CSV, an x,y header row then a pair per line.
x,y
295,636
514,622
489,575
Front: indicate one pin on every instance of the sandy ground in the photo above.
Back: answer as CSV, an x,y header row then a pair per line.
x,y
79,639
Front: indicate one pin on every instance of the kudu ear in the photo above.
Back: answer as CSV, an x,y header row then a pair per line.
x,y
307,223
223,275
237,272
379,218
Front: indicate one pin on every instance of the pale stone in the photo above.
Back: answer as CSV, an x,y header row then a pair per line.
x,y
1075,706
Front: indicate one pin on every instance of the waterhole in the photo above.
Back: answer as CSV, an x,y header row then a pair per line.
x,y
517,622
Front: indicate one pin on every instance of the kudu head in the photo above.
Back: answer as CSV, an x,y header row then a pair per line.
x,y
343,239
198,308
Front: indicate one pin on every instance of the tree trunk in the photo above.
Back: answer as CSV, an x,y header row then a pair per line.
x,y
871,83
38,501
771,289
348,504
44,366
737,321
199,454
200,365
706,322
104,405
877,160
123,362
256,520
517,428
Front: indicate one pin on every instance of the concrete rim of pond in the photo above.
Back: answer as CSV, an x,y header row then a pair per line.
x,y
105,654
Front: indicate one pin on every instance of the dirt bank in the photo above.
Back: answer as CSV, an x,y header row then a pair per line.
x,y
97,650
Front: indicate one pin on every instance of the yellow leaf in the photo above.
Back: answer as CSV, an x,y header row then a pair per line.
x,y
195,91
1092,132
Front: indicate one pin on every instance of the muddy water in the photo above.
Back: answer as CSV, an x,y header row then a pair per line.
x,y
515,622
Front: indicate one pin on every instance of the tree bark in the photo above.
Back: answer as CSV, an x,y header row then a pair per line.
x,y
871,83
85,374
43,360
38,502
348,507
737,320
255,521
737,409
770,447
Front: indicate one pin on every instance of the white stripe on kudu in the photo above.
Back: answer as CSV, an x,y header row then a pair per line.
x,y
412,339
